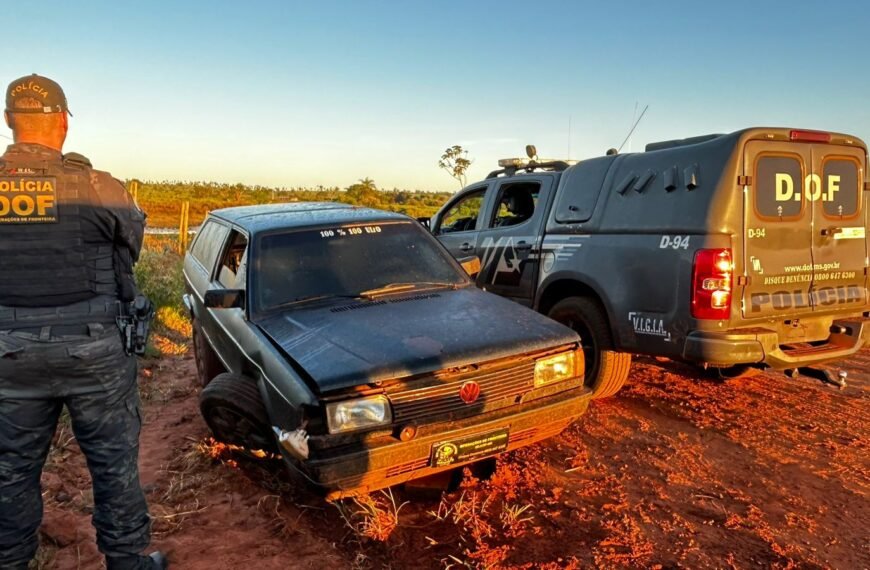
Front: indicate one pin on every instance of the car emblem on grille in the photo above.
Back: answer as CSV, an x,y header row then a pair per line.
x,y
469,392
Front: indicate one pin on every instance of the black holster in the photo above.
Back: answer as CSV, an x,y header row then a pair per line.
x,y
134,320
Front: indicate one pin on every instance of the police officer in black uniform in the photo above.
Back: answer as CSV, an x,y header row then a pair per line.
x,y
69,236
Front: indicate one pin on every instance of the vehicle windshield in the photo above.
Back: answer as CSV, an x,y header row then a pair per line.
x,y
347,261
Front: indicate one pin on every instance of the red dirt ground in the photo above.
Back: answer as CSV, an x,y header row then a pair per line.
x,y
674,472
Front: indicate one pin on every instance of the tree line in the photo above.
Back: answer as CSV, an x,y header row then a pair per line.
x,y
162,201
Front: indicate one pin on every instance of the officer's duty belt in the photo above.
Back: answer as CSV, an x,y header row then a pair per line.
x,y
102,309
60,330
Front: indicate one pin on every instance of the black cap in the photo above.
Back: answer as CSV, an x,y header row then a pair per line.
x,y
40,88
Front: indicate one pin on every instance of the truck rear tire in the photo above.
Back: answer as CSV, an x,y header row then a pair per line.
x,y
208,365
606,369
233,409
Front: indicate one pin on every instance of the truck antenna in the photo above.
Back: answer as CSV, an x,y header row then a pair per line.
x,y
634,126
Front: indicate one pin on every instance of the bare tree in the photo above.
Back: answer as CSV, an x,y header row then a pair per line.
x,y
455,161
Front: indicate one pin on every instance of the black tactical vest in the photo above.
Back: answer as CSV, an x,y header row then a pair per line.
x,y
55,248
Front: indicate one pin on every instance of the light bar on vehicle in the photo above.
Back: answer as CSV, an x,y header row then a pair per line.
x,y
510,162
525,162
810,136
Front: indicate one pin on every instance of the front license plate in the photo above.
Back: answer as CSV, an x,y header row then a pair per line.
x,y
468,448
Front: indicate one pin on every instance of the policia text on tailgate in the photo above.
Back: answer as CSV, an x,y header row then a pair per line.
x,y
736,251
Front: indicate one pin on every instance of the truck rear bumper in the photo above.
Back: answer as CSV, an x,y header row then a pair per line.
x,y
397,462
763,346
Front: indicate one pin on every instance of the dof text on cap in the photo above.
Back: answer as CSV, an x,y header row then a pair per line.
x,y
43,89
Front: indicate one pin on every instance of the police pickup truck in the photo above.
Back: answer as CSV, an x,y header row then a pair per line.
x,y
351,340
736,252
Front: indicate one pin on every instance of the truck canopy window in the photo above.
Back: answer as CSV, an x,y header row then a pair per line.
x,y
841,188
779,183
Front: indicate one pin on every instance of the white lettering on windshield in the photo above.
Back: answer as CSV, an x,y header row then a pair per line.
x,y
350,232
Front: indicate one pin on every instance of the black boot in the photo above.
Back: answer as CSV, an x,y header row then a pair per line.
x,y
154,561
158,559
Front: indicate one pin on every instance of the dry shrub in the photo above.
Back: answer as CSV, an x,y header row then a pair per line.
x,y
514,519
166,346
371,517
471,511
175,320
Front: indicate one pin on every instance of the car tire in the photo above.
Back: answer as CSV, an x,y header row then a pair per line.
x,y
233,409
606,369
208,365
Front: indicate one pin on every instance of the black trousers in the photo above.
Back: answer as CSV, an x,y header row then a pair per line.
x,y
95,379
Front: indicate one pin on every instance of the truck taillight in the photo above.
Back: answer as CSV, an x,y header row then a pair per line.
x,y
810,136
711,284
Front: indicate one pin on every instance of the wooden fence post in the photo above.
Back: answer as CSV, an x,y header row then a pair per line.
x,y
186,225
183,225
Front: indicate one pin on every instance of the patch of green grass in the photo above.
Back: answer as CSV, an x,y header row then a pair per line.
x,y
160,278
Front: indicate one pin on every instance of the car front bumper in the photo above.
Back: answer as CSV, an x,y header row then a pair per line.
x,y
763,346
395,462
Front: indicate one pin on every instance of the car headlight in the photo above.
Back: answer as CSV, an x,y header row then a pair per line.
x,y
555,369
356,414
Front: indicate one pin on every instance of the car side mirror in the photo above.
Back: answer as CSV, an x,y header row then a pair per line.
x,y
471,265
224,299
426,223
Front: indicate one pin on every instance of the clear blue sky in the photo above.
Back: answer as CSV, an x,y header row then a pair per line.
x,y
324,92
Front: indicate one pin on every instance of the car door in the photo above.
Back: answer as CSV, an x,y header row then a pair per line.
x,y
509,245
199,267
230,274
457,225
778,220
839,234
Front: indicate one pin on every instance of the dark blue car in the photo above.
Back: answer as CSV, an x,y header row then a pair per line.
x,y
351,340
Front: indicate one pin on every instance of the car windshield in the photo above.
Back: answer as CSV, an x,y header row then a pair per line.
x,y
347,261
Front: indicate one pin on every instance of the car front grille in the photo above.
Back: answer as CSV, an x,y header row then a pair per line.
x,y
498,388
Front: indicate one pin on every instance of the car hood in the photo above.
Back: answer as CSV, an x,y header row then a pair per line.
x,y
350,343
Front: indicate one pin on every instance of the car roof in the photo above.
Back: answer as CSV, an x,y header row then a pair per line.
x,y
267,217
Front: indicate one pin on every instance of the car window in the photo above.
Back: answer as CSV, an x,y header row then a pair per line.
x,y
347,260
462,216
516,204
208,243
779,187
842,188
231,269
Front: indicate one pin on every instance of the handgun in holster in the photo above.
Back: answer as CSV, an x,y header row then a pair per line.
x,y
134,320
